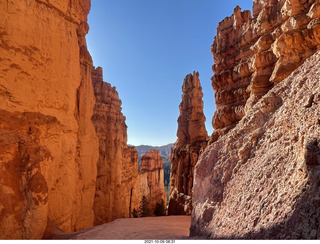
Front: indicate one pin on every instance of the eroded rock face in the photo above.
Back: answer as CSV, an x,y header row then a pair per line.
x,y
261,179
254,53
151,178
48,145
117,187
191,120
192,139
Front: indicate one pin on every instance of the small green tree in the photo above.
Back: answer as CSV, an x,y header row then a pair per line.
x,y
160,209
144,210
135,213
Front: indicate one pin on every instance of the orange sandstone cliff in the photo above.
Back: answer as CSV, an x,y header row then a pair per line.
x,y
259,179
254,53
151,178
48,145
64,159
117,186
192,139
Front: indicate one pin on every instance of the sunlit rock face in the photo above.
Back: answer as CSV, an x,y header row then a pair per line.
x,y
254,53
259,177
192,139
48,145
151,178
191,120
261,180
117,186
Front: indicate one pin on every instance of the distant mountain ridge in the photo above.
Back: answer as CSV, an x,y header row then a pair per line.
x,y
164,150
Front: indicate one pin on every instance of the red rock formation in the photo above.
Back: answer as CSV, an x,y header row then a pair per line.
x,y
151,178
259,177
192,139
252,54
261,180
117,187
151,161
48,146
191,120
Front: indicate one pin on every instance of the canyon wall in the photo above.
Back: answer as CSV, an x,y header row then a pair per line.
x,y
48,145
117,186
259,177
192,139
254,53
64,158
151,178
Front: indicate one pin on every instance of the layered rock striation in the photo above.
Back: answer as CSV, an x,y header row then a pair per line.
x,y
254,53
64,159
117,184
259,178
48,145
151,178
192,139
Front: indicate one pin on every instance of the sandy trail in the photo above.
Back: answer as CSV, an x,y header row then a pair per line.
x,y
149,228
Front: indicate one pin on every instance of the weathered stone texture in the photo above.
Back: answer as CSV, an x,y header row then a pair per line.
x,y
46,103
151,178
192,139
191,120
252,54
261,179
117,187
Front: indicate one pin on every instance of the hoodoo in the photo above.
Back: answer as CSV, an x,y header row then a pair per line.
x,y
64,159
192,139
151,177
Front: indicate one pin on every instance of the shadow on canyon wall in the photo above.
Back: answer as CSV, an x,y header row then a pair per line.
x,y
304,220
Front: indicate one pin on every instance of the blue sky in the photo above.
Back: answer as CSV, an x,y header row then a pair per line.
x,y
146,48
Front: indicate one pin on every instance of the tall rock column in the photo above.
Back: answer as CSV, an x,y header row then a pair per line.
x,y
151,178
192,139
117,186
48,145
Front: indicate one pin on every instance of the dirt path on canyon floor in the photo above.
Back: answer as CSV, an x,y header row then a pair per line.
x,y
149,228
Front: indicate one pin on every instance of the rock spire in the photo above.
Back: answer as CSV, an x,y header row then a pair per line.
x,y
192,139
